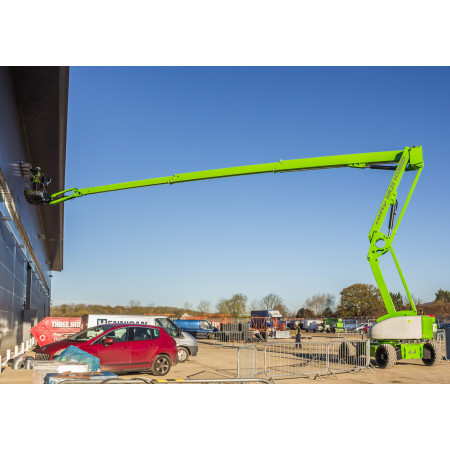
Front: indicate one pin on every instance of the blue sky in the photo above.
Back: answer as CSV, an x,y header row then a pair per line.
x,y
293,234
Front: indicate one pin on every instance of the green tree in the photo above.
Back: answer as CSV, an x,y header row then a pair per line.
x,y
329,310
359,300
442,296
304,313
236,305
397,300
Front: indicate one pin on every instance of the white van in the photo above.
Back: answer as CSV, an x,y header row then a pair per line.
x,y
186,344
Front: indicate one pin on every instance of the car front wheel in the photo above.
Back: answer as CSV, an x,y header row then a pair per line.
x,y
161,365
183,354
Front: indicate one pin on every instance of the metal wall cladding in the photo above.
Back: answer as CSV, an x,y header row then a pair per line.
x,y
13,266
13,278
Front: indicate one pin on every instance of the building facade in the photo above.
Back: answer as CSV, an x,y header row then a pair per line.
x,y
33,125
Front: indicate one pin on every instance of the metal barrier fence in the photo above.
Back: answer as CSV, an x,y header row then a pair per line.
x,y
170,381
281,360
348,355
350,336
18,350
440,337
316,358
231,338
247,365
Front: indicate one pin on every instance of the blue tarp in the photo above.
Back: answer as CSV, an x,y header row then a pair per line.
x,y
73,353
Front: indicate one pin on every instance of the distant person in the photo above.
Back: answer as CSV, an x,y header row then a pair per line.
x,y
257,336
298,337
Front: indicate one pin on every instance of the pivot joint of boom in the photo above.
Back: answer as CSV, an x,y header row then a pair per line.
x,y
59,197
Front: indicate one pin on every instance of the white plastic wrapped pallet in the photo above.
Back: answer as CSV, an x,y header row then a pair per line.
x,y
42,368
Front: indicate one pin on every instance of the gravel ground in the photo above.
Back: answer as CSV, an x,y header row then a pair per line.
x,y
214,362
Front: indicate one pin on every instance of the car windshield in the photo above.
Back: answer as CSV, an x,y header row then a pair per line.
x,y
205,325
168,325
90,333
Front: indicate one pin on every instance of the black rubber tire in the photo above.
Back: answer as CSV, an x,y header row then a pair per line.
x,y
161,365
347,352
211,335
436,354
183,354
386,356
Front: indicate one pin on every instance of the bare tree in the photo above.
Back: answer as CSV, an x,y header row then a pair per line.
x,y
274,301
270,301
187,306
134,303
204,306
255,305
134,306
318,303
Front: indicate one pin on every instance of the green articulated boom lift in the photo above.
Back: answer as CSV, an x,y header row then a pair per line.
x,y
397,334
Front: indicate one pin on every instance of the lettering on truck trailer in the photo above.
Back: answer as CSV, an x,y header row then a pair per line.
x,y
102,321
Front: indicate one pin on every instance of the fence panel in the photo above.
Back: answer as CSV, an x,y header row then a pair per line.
x,y
440,337
247,361
142,380
316,358
236,338
350,336
231,338
282,360
346,355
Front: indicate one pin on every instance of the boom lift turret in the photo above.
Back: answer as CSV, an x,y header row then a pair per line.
x,y
397,334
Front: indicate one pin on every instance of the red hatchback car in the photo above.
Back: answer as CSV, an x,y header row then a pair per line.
x,y
122,347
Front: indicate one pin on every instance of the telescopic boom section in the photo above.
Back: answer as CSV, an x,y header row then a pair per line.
x,y
380,243
359,160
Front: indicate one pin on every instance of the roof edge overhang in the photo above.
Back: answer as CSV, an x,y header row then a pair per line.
x,y
42,95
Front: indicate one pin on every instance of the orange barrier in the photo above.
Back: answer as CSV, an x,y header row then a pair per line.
x,y
261,324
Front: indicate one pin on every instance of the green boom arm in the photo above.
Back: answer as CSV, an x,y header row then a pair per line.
x,y
380,243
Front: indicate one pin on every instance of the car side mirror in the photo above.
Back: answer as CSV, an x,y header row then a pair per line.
x,y
179,334
108,341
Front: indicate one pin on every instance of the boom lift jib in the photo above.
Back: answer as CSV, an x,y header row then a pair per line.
x,y
397,334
